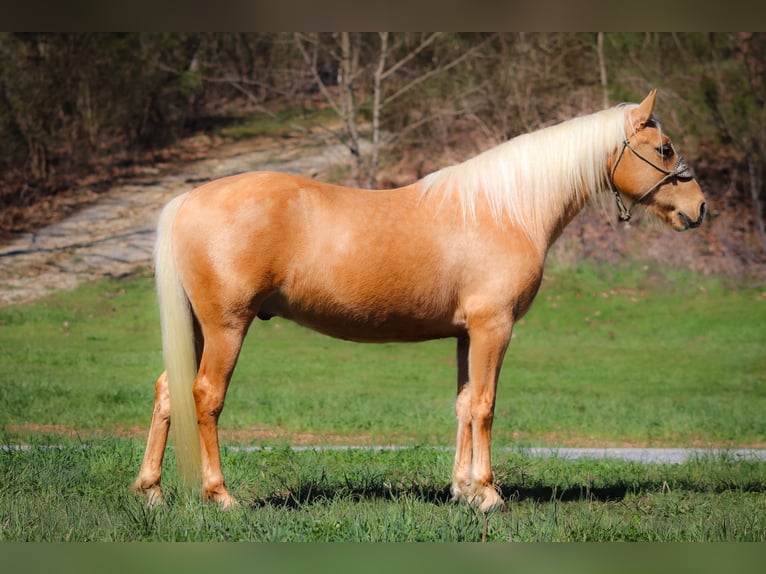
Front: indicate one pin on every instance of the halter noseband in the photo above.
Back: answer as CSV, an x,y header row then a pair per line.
x,y
680,171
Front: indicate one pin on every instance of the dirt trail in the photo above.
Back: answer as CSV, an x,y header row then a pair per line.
x,y
115,235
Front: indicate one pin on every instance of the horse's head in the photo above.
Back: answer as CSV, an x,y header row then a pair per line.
x,y
646,170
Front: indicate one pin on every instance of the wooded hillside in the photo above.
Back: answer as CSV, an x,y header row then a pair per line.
x,y
402,103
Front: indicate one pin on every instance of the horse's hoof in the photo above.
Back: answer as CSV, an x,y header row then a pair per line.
x,y
228,503
221,497
459,494
152,493
488,500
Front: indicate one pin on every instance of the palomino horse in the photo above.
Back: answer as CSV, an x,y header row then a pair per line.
x,y
458,254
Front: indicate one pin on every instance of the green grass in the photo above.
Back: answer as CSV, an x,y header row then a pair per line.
x,y
84,359
606,356
282,123
80,494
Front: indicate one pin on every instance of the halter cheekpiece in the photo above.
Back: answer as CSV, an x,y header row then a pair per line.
x,y
680,171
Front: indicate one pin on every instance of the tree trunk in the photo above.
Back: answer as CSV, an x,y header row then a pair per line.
x,y
348,104
755,180
376,109
602,69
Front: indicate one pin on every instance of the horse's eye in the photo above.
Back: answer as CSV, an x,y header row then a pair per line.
x,y
665,150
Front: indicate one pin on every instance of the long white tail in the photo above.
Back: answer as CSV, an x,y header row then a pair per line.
x,y
178,350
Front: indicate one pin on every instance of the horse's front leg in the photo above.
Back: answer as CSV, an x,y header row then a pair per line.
x,y
488,343
148,481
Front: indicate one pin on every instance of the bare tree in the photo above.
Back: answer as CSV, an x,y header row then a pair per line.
x,y
342,101
376,108
532,80
738,104
374,74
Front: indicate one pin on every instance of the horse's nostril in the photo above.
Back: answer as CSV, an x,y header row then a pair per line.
x,y
689,223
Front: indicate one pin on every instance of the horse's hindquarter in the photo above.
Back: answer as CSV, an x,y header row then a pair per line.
x,y
354,264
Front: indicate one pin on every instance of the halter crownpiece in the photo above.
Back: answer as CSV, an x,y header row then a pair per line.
x,y
680,171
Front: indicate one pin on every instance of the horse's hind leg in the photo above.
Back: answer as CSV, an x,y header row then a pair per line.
x,y
222,346
148,481
150,474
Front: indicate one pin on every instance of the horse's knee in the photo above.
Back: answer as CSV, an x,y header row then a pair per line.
x,y
463,408
482,411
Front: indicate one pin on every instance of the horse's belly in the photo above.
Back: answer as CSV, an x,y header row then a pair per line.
x,y
382,322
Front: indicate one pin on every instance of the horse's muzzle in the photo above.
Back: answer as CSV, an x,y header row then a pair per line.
x,y
689,223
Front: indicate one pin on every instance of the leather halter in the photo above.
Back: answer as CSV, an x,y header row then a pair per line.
x,y
680,171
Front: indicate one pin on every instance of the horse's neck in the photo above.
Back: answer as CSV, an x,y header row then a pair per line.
x,y
570,209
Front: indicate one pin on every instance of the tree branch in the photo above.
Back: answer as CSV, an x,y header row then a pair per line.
x,y
311,62
424,44
435,71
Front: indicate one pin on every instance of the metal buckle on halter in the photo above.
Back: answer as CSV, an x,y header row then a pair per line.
x,y
680,171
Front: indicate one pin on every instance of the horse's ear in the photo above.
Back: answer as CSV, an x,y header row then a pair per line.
x,y
640,115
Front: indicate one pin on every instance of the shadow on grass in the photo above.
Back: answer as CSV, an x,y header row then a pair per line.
x,y
315,493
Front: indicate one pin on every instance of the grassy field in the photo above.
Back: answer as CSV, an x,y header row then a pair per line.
x,y
81,494
605,357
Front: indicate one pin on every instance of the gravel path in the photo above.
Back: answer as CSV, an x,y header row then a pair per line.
x,y
639,455
115,235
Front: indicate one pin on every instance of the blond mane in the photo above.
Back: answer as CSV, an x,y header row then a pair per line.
x,y
529,178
